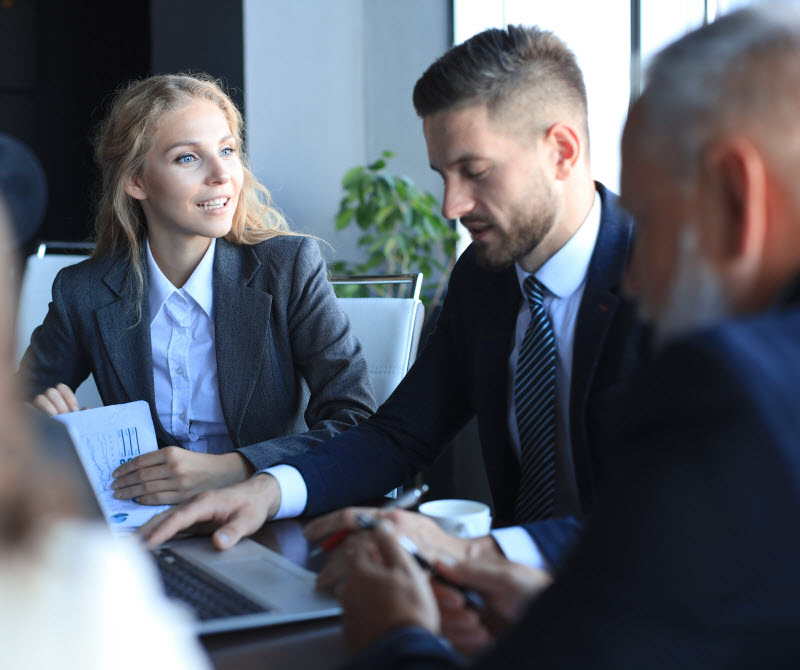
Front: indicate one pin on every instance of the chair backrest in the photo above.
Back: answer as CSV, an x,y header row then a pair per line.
x,y
389,330
35,295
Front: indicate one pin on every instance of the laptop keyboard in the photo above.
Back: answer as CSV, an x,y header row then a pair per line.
x,y
209,597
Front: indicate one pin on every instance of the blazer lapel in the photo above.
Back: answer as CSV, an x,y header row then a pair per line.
x,y
501,300
126,338
598,306
241,330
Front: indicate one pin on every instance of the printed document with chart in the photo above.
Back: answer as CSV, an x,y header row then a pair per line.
x,y
105,438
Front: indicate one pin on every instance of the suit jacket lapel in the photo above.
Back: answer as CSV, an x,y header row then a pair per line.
x,y
596,314
241,327
126,338
501,301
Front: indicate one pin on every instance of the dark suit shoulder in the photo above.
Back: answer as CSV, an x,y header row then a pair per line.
x,y
758,355
733,384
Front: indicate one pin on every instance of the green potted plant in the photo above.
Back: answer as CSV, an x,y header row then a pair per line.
x,y
402,230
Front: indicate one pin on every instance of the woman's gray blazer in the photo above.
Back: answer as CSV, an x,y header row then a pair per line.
x,y
291,374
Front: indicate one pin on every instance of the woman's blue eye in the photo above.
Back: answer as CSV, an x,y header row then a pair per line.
x,y
228,151
185,159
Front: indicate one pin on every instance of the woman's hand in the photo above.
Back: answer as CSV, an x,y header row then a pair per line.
x,y
172,475
56,400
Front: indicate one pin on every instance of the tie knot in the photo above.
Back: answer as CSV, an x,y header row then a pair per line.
x,y
534,291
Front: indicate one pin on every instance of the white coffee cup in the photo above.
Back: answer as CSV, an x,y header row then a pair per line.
x,y
464,518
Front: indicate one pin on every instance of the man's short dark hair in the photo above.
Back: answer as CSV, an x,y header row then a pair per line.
x,y
498,67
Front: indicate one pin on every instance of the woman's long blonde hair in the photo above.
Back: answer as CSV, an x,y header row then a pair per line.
x,y
124,138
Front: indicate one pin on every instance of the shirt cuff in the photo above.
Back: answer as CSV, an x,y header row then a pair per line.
x,y
294,493
518,546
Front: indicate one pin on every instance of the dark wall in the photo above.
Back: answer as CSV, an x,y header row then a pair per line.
x,y
81,52
60,61
200,36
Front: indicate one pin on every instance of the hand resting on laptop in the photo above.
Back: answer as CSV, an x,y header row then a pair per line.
x,y
237,510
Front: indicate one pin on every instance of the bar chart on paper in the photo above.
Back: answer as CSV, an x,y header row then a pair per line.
x,y
105,438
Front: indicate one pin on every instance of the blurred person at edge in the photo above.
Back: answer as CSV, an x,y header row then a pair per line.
x,y
71,595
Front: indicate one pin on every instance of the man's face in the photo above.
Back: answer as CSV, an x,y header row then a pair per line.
x,y
496,183
677,286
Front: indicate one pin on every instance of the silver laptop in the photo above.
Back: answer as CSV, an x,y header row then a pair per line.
x,y
247,586
265,587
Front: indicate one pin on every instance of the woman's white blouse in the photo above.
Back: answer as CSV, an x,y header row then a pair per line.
x,y
184,357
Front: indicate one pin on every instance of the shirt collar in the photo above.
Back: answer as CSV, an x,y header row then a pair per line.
x,y
200,286
564,272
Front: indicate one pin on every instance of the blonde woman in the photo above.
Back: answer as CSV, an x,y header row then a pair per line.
x,y
198,300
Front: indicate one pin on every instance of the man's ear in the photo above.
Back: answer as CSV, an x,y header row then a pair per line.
x,y
738,186
135,188
567,148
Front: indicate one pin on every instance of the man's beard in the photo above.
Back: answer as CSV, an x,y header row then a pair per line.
x,y
696,298
526,232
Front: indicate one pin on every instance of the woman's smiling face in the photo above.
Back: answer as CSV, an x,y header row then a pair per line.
x,y
190,183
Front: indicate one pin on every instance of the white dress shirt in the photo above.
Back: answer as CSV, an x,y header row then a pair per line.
x,y
185,358
564,277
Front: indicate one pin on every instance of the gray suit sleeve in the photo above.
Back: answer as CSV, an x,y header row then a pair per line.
x,y
53,355
328,357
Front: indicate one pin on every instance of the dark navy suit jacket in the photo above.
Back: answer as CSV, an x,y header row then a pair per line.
x,y
463,371
278,333
692,558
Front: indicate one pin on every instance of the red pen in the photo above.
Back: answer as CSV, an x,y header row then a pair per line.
x,y
366,522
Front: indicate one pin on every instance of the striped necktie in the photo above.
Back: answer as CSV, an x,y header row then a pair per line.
x,y
534,400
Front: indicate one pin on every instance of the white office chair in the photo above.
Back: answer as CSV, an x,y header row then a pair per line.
x,y
35,295
388,328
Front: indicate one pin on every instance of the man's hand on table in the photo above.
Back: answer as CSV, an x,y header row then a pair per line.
x,y
476,563
432,542
237,510
383,588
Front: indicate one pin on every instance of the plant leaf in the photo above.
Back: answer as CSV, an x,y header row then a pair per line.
x,y
343,218
352,176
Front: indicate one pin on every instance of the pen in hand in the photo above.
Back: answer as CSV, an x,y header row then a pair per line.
x,y
473,598
365,521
